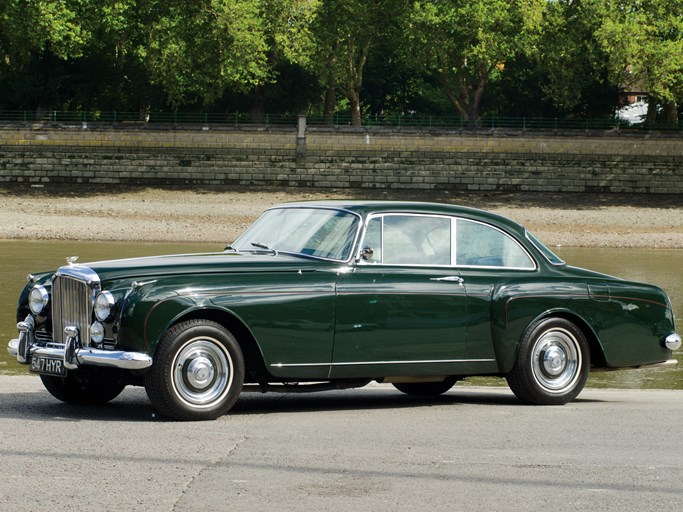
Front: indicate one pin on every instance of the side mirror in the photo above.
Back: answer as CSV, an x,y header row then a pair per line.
x,y
367,253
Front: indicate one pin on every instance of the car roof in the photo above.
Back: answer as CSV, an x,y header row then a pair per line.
x,y
367,207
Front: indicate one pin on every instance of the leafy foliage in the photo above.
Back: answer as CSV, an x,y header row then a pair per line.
x,y
368,57
644,42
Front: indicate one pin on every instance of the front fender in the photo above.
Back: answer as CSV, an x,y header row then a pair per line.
x,y
146,314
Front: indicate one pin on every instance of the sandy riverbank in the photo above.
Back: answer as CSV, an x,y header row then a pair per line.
x,y
219,216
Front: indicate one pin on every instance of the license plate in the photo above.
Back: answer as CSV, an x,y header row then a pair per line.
x,y
48,366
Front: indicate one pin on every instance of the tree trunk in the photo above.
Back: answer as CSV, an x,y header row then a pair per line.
x,y
330,86
671,114
651,116
258,108
354,99
354,79
330,101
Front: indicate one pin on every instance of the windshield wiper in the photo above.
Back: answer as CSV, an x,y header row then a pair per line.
x,y
230,248
264,246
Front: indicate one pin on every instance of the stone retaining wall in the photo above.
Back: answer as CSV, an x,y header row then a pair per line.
x,y
343,158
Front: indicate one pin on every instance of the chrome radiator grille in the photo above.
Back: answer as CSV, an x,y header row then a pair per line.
x,y
71,305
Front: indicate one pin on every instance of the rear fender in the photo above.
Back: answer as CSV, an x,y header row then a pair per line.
x,y
516,307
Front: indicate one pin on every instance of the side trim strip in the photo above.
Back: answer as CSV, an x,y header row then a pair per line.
x,y
366,363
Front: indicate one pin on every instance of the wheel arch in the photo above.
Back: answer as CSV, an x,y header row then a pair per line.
x,y
507,337
253,358
597,355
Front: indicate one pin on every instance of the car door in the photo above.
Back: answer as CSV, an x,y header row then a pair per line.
x,y
486,258
402,310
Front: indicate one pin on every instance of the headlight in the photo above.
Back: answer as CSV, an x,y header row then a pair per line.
x,y
104,304
97,332
38,299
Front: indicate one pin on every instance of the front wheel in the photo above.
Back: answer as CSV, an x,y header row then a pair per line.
x,y
198,371
552,364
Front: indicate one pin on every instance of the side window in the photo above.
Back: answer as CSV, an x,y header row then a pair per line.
x,y
480,245
372,245
408,240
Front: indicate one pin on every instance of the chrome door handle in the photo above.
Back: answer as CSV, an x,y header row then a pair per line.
x,y
451,279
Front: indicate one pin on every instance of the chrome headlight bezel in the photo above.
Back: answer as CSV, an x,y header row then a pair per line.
x,y
104,306
38,299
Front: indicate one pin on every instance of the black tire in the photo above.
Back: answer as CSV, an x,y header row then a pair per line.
x,y
552,363
86,386
426,388
198,371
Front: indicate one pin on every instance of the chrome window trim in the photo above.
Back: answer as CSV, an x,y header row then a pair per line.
x,y
508,235
453,264
330,208
361,261
535,241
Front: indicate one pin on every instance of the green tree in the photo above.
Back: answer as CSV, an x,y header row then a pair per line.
x,y
31,30
287,32
198,48
572,65
117,55
644,42
466,43
345,32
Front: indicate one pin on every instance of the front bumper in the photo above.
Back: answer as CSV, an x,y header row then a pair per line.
x,y
73,355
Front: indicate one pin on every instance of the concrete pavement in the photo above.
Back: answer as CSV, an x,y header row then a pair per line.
x,y
367,449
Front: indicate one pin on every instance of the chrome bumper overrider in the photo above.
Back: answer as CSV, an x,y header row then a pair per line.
x,y
73,355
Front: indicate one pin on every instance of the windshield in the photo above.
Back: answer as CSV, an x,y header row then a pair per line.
x,y
549,255
318,232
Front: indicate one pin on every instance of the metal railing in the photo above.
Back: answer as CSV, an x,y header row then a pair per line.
x,y
395,121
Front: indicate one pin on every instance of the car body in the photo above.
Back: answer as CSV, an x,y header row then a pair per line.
x,y
322,295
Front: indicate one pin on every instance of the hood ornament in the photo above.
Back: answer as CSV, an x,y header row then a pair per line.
x,y
71,260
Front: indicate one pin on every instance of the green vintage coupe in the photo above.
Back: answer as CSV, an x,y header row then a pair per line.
x,y
327,295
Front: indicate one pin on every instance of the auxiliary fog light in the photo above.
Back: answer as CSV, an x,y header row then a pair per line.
x,y
38,299
97,333
104,304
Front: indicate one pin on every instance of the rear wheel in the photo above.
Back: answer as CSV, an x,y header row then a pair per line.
x,y
198,371
87,386
426,388
552,364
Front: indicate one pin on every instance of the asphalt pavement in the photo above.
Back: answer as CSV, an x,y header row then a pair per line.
x,y
472,449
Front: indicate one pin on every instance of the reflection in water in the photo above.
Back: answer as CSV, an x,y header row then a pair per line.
x,y
660,267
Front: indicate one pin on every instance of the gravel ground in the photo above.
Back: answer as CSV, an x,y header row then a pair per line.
x,y
146,214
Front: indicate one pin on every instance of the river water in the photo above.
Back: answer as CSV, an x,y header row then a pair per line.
x,y
660,267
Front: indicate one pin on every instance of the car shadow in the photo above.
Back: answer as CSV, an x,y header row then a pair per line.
x,y
367,399
374,399
133,406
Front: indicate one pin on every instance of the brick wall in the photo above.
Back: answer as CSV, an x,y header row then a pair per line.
x,y
344,158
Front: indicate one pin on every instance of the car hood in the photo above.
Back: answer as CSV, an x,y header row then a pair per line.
x,y
183,264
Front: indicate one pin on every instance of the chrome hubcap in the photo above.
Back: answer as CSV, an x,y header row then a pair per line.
x,y
202,372
556,360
